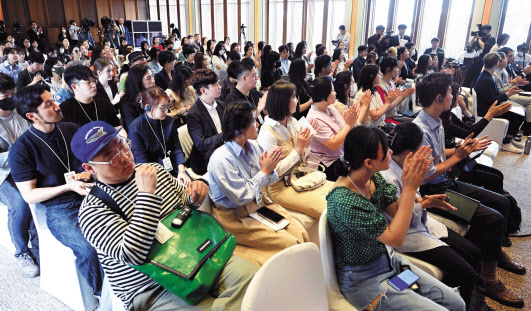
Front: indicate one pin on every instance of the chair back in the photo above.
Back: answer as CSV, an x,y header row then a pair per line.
x,y
185,140
336,300
290,280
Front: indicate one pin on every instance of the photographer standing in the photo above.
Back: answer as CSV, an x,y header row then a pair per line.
x,y
73,31
379,39
482,42
344,37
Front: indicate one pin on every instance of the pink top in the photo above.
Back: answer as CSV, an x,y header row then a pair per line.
x,y
328,125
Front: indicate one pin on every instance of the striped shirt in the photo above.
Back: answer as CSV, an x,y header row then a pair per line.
x,y
123,242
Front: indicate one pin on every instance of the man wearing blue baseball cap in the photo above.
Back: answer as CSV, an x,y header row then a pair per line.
x,y
45,171
144,194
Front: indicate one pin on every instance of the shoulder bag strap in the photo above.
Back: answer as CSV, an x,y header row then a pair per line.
x,y
107,199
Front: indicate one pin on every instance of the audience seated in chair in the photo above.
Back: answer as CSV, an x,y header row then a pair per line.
x,y
503,79
487,93
237,171
140,190
181,93
46,171
362,240
141,79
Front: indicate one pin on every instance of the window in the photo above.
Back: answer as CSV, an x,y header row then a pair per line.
x,y
246,20
276,23
164,17
183,26
516,22
206,19
404,15
314,30
294,23
456,27
153,9
173,13
381,12
336,18
429,23
219,25
232,21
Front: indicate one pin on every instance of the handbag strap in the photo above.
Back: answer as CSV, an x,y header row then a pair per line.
x,y
107,199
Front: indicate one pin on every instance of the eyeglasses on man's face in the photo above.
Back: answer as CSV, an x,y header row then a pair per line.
x,y
125,149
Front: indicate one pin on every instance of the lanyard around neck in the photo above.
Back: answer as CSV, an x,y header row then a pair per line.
x,y
66,147
95,107
163,144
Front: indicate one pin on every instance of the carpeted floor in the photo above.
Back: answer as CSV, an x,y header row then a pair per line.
x,y
18,293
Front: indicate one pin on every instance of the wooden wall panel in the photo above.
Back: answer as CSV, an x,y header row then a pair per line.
x,y
15,12
56,13
102,9
37,12
118,9
71,9
53,32
130,10
89,9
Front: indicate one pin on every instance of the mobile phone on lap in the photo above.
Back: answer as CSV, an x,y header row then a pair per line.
x,y
403,280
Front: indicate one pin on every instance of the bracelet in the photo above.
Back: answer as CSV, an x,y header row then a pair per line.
x,y
182,171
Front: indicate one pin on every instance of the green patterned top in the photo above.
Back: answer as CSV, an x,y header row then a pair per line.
x,y
355,222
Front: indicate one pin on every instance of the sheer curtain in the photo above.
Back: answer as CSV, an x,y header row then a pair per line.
x,y
173,13
164,18
245,13
276,23
206,19
381,12
314,30
456,27
232,21
517,22
219,26
429,23
404,15
294,25
336,18
153,10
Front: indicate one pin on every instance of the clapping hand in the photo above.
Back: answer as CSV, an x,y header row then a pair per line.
x,y
435,200
415,168
268,162
304,139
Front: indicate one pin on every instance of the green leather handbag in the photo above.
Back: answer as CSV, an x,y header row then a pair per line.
x,y
189,263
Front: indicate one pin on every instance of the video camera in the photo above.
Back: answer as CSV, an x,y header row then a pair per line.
x,y
243,26
389,33
450,63
87,23
106,23
479,32
16,26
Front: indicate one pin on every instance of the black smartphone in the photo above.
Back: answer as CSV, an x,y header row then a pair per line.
x,y
270,214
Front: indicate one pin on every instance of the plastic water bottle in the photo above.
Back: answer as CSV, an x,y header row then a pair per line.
x,y
527,147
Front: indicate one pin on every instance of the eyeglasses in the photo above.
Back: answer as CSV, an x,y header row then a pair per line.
x,y
126,148
92,82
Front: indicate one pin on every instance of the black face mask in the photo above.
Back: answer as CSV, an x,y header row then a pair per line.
x,y
278,64
7,104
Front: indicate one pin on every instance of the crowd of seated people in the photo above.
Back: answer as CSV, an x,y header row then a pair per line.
x,y
260,124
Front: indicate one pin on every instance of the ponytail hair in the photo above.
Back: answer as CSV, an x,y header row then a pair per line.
x,y
406,136
361,143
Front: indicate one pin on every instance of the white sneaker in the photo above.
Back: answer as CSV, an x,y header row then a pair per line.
x,y
517,144
27,265
511,148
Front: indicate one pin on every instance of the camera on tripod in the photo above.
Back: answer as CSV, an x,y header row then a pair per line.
x,y
389,33
87,23
479,32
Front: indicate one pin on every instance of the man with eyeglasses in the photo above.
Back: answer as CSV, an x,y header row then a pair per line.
x,y
46,171
83,107
144,194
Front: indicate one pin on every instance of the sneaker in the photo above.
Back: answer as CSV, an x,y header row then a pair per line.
x,y
27,266
517,144
511,148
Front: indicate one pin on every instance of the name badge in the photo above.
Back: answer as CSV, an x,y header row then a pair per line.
x,y
258,199
167,164
68,177
163,234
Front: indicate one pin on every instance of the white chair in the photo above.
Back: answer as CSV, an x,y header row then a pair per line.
x,y
5,237
496,129
290,280
336,300
185,140
109,301
59,275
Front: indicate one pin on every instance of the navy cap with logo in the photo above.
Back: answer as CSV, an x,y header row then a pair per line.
x,y
91,138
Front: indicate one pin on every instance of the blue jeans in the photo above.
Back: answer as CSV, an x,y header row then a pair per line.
x,y
362,284
19,221
63,223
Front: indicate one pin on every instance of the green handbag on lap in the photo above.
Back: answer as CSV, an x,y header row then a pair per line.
x,y
189,263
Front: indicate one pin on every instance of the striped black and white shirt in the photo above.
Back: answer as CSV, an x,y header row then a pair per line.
x,y
123,242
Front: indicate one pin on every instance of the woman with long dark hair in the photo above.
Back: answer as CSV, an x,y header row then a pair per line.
x,y
218,57
361,238
297,76
270,72
200,62
181,93
138,79
97,53
278,131
237,170
144,48
424,65
300,52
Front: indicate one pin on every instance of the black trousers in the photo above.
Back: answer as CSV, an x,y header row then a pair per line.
x,y
488,227
515,123
460,260
484,176
331,171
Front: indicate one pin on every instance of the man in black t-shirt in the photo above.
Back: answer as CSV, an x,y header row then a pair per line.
x,y
46,171
34,73
83,108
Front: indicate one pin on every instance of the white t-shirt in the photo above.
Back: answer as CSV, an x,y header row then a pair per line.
x,y
12,128
376,103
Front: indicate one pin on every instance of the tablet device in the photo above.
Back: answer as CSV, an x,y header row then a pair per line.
x,y
403,280
466,206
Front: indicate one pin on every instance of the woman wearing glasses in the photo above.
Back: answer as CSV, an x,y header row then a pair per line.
x,y
154,135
